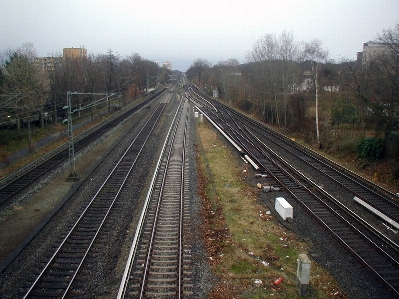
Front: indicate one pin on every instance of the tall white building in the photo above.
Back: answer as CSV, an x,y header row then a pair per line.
x,y
167,65
371,50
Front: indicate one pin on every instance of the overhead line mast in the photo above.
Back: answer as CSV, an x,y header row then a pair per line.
x,y
73,176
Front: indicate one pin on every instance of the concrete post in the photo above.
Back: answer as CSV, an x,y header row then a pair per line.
x,y
303,274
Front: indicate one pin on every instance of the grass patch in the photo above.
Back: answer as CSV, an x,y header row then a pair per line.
x,y
247,248
243,267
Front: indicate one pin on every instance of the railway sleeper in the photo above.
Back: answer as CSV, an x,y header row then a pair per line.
x,y
53,285
344,233
170,212
168,249
69,260
171,236
167,228
320,211
368,252
165,243
158,279
140,261
44,293
60,273
391,275
171,287
57,279
168,219
155,273
152,272
335,226
161,264
167,233
172,223
188,285
142,252
65,267
157,294
164,256
186,279
354,241
382,268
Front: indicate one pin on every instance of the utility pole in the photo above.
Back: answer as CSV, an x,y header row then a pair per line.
x,y
148,82
130,79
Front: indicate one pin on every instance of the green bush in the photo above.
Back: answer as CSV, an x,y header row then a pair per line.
x,y
371,148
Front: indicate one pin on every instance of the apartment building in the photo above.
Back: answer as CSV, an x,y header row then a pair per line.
x,y
47,63
74,52
371,50
167,65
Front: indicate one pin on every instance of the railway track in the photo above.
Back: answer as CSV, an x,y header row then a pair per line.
x,y
159,262
18,181
382,200
69,257
356,234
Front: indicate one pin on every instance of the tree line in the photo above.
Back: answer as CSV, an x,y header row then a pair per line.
x,y
29,92
340,106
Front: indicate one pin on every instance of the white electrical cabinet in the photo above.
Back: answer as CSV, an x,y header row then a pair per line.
x,y
284,208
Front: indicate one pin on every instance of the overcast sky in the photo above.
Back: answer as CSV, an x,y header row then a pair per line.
x,y
181,31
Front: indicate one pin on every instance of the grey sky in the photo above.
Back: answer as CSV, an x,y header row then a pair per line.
x,y
183,30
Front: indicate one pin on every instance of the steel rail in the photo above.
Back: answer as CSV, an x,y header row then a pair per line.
x,y
85,211
17,181
392,265
156,218
133,251
358,186
314,155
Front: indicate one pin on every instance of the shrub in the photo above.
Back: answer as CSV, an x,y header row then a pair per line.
x,y
245,105
395,173
371,148
6,136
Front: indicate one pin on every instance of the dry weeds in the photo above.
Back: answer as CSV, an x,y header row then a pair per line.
x,y
247,248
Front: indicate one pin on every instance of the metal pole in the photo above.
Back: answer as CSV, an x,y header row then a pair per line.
x,y
147,84
72,175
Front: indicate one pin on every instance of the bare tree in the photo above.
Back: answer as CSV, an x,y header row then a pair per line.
x,y
30,84
316,54
226,76
289,54
264,57
276,60
198,68
385,74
